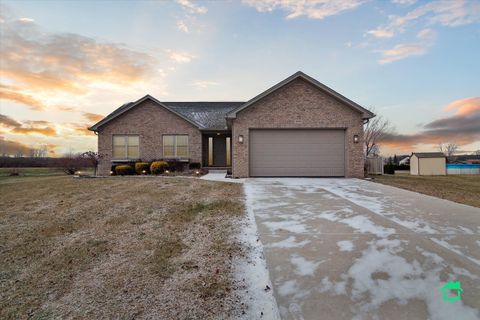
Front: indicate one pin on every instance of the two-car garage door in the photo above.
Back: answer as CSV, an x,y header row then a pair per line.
x,y
297,153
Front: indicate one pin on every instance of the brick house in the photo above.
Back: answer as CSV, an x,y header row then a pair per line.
x,y
299,127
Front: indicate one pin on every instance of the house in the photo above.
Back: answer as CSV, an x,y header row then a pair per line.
x,y
298,127
428,164
404,160
449,287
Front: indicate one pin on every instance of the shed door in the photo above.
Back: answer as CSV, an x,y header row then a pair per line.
x,y
297,153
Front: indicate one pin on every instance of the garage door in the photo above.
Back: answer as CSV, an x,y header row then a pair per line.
x,y
297,153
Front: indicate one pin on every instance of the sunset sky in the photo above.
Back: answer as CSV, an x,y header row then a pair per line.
x,y
66,64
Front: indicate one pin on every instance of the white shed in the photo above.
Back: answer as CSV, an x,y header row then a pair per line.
x,y
428,164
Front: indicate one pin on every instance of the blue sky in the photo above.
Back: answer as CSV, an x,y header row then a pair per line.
x,y
409,60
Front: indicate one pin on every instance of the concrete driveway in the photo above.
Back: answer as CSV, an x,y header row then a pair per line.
x,y
349,248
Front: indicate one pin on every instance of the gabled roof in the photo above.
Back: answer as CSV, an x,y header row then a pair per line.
x,y
203,115
366,114
428,154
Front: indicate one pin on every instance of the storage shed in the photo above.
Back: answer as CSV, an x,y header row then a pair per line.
x,y
428,164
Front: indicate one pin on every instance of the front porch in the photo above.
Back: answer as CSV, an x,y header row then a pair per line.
x,y
217,150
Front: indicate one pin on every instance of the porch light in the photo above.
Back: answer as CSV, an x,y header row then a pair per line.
x,y
111,172
166,171
197,172
240,139
144,171
355,138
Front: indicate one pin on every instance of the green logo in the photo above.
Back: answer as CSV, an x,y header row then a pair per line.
x,y
455,290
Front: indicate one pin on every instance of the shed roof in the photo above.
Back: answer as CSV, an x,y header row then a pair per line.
x,y
428,154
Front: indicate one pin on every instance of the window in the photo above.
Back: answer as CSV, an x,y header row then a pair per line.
x,y
175,146
126,147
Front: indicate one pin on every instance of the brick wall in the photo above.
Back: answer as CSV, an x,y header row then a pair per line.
x,y
150,122
299,104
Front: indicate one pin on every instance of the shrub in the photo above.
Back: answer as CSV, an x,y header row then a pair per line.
x,y
175,165
124,170
142,166
194,165
389,168
158,167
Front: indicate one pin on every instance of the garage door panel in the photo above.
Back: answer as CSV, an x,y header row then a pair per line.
x,y
278,152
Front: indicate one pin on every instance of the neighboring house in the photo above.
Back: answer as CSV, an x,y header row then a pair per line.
x,y
404,161
298,127
428,164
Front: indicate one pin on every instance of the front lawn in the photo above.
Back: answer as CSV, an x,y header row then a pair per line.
x,y
459,188
118,248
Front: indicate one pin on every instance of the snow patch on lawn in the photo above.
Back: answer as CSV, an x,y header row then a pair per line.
x,y
345,245
253,271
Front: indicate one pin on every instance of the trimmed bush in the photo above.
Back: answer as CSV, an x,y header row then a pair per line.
x,y
194,165
175,165
142,166
124,170
158,167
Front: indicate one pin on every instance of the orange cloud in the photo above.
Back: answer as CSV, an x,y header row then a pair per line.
x,y
27,127
94,117
464,106
41,64
15,94
462,128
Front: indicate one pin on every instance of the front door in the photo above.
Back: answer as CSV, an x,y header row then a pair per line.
x,y
219,151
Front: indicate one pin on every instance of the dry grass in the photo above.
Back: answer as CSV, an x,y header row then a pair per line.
x,y
118,248
459,188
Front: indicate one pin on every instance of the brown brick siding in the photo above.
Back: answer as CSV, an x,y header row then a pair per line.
x,y
150,122
299,105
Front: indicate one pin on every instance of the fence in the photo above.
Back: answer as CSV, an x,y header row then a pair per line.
x,y
374,165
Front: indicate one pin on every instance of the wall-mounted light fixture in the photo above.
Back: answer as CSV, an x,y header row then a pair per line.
x,y
355,138
240,139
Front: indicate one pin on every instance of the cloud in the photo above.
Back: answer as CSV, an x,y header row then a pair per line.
x,y
381,33
182,26
93,117
15,94
26,20
38,127
461,128
464,107
445,13
6,121
204,84
314,9
425,39
9,147
404,2
192,7
180,57
39,65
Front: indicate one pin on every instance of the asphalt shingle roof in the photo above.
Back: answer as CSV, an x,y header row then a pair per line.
x,y
207,115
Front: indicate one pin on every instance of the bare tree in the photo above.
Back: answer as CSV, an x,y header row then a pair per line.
x,y
375,130
448,149
94,158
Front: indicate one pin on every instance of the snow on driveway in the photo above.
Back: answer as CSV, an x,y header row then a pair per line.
x,y
349,248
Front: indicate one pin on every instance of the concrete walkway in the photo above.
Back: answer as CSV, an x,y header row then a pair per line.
x,y
348,248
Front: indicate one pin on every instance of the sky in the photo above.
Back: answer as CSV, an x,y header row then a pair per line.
x,y
66,64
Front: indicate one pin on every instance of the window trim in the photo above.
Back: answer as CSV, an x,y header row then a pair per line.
x,y
175,156
125,136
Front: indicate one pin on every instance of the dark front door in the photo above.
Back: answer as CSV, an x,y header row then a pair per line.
x,y
217,150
